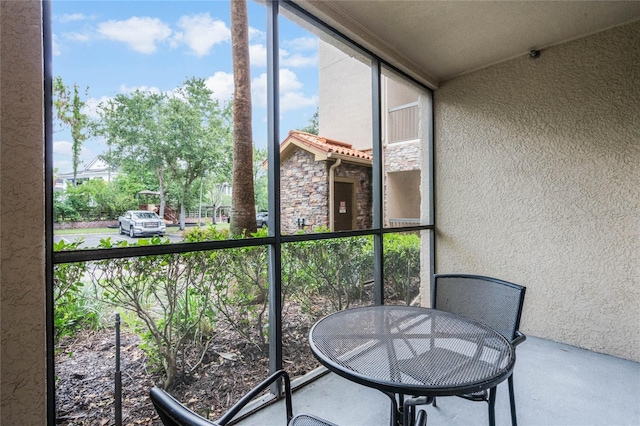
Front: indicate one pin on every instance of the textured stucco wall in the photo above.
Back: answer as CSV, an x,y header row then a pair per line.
x,y
538,182
344,87
22,251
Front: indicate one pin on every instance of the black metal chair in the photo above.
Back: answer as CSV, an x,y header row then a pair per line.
x,y
494,302
173,413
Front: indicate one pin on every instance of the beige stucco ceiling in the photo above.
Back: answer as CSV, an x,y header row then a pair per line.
x,y
438,40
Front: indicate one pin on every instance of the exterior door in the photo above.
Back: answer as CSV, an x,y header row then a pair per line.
x,y
343,213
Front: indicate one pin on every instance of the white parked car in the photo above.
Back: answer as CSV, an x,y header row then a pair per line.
x,y
141,222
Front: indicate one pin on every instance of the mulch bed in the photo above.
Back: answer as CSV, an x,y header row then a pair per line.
x,y
85,367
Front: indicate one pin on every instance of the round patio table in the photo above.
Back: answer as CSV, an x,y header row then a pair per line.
x,y
415,351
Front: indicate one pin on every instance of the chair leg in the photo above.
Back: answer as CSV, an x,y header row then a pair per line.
x,y
393,415
492,406
512,401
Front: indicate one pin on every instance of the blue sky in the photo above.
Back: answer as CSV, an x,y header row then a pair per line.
x,y
115,47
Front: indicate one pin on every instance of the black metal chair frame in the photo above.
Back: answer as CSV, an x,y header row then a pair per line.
x,y
173,413
515,336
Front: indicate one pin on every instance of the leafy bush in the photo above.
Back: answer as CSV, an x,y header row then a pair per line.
x,y
169,293
73,308
401,266
205,233
336,269
63,210
243,298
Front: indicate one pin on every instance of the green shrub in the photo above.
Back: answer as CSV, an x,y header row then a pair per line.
x,y
169,293
73,308
335,269
401,266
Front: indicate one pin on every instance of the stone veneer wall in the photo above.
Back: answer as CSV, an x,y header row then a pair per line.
x,y
399,157
402,156
361,177
304,191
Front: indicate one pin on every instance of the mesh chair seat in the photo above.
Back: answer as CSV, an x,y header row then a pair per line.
x,y
309,420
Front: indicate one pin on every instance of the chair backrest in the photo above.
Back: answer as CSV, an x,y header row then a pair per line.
x,y
173,413
491,301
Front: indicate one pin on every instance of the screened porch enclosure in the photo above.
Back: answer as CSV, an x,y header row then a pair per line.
x,y
526,170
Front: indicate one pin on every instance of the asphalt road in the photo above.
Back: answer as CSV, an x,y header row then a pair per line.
x,y
93,240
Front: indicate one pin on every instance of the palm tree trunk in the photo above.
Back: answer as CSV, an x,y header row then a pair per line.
x,y
243,218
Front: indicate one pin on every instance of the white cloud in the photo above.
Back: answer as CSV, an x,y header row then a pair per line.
x,y
299,52
149,89
256,35
296,100
77,36
291,95
62,147
297,60
71,17
201,33
289,81
87,155
221,84
302,43
141,34
55,43
91,106
258,55
62,156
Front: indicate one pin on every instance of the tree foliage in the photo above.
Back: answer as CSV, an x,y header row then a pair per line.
x,y
68,110
312,127
182,136
260,179
198,131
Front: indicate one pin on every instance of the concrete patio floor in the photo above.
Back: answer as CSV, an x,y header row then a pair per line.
x,y
555,384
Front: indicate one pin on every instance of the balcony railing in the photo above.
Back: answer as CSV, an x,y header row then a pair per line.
x,y
403,123
397,222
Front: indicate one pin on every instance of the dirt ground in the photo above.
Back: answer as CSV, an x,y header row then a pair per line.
x,y
85,370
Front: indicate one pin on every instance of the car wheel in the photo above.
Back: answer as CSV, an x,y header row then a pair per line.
x,y
121,229
131,234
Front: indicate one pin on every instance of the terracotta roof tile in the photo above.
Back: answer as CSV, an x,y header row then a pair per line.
x,y
329,145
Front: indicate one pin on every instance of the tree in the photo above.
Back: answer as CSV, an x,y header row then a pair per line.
x,y
183,136
131,125
198,132
260,179
312,127
243,218
68,109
